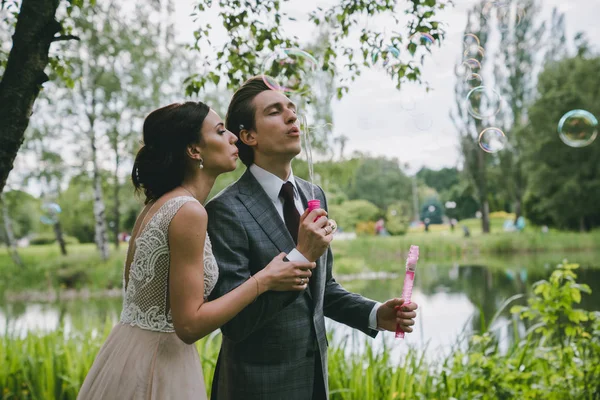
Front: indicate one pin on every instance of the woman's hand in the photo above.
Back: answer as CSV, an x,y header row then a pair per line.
x,y
280,275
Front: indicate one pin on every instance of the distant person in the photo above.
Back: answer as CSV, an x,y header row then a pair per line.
x,y
466,231
453,223
170,269
520,223
426,221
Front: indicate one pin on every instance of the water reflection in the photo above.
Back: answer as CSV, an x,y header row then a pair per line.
x,y
455,298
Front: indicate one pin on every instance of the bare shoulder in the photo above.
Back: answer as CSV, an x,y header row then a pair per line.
x,y
190,218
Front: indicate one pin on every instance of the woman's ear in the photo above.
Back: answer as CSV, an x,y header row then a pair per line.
x,y
194,152
248,137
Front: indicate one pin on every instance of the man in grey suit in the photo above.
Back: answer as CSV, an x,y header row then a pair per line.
x,y
276,348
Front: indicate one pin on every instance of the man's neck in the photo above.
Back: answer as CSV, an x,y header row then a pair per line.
x,y
278,167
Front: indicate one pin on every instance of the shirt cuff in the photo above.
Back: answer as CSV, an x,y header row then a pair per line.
x,y
295,255
373,317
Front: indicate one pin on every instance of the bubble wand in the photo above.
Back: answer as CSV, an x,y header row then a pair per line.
x,y
409,278
313,204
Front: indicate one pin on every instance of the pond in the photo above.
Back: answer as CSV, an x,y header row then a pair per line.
x,y
455,298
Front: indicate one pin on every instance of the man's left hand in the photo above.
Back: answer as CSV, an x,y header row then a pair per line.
x,y
394,312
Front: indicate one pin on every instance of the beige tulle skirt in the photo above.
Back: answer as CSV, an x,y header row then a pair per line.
x,y
139,364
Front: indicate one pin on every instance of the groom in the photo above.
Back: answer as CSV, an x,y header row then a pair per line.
x,y
276,348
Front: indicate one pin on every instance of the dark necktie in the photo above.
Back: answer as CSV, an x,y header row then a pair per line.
x,y
290,212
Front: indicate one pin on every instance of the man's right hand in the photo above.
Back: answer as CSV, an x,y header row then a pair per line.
x,y
314,234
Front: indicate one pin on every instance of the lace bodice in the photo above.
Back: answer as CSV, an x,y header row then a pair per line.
x,y
145,298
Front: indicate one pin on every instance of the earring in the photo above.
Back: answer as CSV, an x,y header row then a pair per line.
x,y
201,164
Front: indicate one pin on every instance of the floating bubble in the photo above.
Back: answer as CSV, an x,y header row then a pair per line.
x,y
474,80
492,140
578,128
471,39
387,54
288,70
483,102
473,64
408,103
422,38
474,53
463,70
51,212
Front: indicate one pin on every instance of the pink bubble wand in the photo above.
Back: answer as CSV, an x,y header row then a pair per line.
x,y
313,204
409,279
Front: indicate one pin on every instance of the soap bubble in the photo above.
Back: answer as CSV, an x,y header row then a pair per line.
x,y
578,128
475,53
474,80
288,70
51,212
473,64
386,54
422,38
471,39
492,140
483,102
463,70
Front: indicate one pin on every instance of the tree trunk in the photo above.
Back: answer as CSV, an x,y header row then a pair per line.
x,y
10,237
60,238
482,183
24,76
101,235
518,211
117,220
582,224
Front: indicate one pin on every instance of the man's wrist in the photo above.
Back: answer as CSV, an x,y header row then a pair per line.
x,y
373,323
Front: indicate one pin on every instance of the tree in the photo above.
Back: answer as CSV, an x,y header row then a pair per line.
x,y
516,71
255,28
381,182
36,29
475,160
8,233
440,180
564,181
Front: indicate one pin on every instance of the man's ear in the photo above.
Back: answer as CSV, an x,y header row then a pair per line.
x,y
248,137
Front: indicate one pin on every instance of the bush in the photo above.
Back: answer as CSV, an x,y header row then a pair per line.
x,y
365,228
350,213
397,218
50,238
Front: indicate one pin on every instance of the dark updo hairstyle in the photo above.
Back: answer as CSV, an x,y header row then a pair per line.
x,y
242,112
160,164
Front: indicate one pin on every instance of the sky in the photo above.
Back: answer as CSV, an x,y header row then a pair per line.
x,y
374,114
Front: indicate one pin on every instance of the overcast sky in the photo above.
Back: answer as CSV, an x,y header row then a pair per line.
x,y
372,114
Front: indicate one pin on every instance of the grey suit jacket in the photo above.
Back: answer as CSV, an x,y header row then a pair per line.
x,y
269,348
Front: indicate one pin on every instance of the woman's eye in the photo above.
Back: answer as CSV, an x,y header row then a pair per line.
x,y
222,132
274,113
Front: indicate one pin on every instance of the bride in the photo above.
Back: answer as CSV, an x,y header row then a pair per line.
x,y
170,269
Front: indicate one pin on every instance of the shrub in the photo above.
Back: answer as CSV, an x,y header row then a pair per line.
x,y
350,213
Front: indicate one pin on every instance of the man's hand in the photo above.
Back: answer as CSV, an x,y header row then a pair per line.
x,y
394,312
314,234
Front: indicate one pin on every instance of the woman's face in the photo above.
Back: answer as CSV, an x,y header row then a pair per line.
x,y
218,149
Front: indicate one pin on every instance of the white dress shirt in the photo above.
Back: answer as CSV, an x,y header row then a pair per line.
x,y
272,184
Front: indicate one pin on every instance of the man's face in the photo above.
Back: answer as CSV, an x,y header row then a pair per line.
x,y
276,131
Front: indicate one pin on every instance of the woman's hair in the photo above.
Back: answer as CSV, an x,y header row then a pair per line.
x,y
241,113
160,164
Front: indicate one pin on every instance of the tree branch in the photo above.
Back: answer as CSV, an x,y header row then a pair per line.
x,y
65,37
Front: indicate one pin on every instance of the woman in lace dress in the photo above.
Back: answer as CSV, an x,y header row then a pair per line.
x,y
170,269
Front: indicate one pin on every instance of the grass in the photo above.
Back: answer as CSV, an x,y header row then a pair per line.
x,y
544,361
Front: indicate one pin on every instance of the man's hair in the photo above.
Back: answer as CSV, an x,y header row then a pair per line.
x,y
241,114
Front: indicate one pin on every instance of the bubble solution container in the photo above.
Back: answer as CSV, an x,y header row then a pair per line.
x,y
409,279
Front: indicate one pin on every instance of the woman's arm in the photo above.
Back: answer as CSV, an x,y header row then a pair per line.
x,y
193,318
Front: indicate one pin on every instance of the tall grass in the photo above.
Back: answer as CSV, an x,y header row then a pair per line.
x,y
554,354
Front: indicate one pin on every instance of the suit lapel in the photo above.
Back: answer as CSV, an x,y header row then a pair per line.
x,y
260,206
